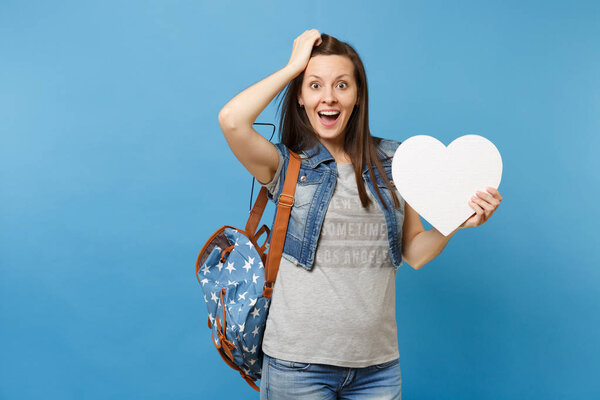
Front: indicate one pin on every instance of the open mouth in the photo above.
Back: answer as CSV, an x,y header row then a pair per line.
x,y
329,118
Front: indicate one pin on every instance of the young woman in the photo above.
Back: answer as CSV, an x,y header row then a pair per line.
x,y
331,329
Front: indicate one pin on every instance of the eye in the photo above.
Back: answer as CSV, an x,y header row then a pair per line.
x,y
312,85
343,83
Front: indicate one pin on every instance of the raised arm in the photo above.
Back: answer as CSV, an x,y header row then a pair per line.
x,y
256,153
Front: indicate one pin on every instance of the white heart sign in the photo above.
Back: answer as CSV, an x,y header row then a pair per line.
x,y
438,181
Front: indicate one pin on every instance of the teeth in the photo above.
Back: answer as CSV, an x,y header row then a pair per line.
x,y
329,112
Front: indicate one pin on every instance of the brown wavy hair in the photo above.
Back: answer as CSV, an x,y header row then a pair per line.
x,y
296,132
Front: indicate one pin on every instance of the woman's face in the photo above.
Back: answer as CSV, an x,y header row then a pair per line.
x,y
329,85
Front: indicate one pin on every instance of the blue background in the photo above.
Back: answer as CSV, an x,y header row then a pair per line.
x,y
114,173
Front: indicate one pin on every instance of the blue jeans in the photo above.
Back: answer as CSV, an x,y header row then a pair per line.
x,y
282,380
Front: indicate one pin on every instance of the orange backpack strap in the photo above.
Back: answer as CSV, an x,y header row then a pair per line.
x,y
284,207
256,213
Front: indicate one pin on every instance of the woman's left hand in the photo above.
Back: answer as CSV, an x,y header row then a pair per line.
x,y
484,205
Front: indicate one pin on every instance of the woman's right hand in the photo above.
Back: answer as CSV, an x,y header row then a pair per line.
x,y
303,46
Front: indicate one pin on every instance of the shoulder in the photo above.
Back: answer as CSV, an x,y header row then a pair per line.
x,y
388,146
283,150
284,153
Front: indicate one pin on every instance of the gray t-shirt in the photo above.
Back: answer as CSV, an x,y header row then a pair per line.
x,y
342,312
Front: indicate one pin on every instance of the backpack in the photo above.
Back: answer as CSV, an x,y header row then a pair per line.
x,y
237,277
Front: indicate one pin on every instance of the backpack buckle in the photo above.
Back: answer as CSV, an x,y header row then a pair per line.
x,y
287,202
268,289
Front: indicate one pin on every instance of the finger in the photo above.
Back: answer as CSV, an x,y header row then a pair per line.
x,y
319,40
487,212
483,204
487,197
475,219
482,215
478,210
491,196
494,192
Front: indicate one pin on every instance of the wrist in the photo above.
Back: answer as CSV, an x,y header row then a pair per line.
x,y
292,70
448,236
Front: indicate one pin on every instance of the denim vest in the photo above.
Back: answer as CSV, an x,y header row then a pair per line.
x,y
316,183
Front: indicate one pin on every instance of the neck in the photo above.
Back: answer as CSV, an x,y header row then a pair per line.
x,y
337,152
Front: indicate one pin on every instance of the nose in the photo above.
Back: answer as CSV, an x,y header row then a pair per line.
x,y
329,96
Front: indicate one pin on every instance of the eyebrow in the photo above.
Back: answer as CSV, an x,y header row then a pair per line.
x,y
318,77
